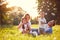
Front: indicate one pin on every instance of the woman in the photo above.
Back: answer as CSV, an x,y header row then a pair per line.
x,y
27,16
25,24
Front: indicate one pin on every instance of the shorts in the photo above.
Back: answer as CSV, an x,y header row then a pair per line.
x,y
41,30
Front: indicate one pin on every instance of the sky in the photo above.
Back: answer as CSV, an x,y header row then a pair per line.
x,y
30,6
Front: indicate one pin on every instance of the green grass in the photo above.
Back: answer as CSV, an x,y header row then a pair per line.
x,y
12,33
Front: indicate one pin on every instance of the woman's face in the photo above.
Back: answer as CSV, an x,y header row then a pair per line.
x,y
27,18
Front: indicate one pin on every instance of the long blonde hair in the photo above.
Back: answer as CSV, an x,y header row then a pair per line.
x,y
27,15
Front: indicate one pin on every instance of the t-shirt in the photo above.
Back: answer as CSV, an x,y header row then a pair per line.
x,y
41,20
23,27
29,23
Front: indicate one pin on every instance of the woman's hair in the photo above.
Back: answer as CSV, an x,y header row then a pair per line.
x,y
27,15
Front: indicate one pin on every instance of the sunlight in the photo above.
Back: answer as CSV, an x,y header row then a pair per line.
x,y
30,6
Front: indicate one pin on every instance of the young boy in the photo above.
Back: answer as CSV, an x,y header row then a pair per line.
x,y
41,21
48,27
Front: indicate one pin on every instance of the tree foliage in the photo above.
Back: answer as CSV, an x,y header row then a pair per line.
x,y
3,11
49,7
10,15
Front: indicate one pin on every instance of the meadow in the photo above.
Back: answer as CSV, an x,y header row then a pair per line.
x,y
10,32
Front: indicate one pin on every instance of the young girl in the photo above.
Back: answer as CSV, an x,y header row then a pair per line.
x,y
24,26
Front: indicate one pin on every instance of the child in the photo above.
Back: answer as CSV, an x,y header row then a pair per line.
x,y
23,26
41,21
48,27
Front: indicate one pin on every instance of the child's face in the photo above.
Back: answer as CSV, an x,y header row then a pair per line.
x,y
42,14
24,21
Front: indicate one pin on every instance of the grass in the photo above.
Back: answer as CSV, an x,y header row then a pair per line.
x,y
12,33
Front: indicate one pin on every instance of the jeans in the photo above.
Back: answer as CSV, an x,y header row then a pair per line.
x,y
49,30
34,30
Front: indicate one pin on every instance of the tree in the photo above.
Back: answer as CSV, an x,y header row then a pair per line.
x,y
49,7
15,15
58,11
3,10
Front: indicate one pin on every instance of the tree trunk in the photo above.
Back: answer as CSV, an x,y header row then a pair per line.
x,y
58,11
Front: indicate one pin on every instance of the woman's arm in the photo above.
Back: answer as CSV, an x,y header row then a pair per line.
x,y
19,26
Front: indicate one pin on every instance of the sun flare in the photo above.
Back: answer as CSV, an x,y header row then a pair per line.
x,y
30,6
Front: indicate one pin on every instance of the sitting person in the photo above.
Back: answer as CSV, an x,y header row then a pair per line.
x,y
41,21
47,27
24,26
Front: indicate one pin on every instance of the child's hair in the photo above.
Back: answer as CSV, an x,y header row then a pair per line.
x,y
53,22
27,15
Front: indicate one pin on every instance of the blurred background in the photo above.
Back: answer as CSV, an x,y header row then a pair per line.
x,y
11,11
